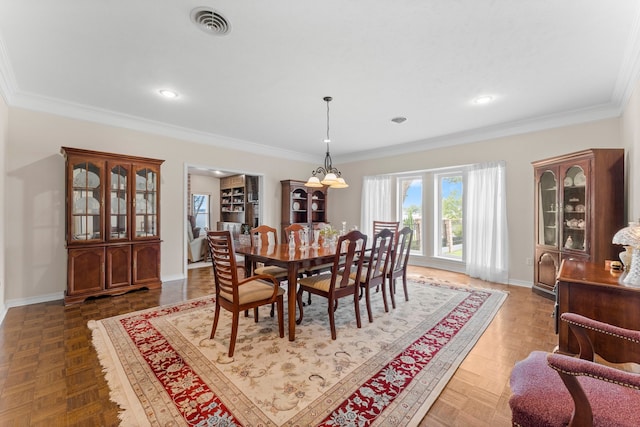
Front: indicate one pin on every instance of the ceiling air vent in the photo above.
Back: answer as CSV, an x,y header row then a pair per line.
x,y
210,21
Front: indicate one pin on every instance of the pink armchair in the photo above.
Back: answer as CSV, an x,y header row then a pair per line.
x,y
558,390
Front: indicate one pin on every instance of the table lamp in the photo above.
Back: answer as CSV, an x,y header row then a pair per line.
x,y
630,238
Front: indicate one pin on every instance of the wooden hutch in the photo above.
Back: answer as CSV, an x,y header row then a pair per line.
x,y
579,206
112,223
302,205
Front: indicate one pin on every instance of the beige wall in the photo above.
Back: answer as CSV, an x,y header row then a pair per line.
x,y
36,256
518,152
4,130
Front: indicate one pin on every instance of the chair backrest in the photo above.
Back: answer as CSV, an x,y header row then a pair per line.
x,y
400,257
380,256
225,270
296,232
378,226
350,254
266,235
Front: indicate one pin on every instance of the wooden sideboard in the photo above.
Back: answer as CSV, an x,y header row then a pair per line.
x,y
591,290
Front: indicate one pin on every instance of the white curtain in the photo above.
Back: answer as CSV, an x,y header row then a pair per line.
x,y
376,202
486,242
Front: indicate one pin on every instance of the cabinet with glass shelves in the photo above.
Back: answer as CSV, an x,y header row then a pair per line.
x,y
303,205
112,205
578,208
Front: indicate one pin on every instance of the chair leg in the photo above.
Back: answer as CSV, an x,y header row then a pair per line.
x,y
234,333
367,296
300,305
281,316
332,321
404,284
271,313
392,291
384,296
216,316
309,298
356,304
255,314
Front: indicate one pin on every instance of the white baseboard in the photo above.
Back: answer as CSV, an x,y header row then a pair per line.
x,y
18,302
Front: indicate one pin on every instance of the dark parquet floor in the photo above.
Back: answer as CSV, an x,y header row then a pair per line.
x,y
50,374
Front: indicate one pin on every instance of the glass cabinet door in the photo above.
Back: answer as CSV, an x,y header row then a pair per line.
x,y
118,202
146,203
548,209
575,208
86,201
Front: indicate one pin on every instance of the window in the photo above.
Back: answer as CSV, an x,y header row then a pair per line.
x,y
201,210
410,193
449,215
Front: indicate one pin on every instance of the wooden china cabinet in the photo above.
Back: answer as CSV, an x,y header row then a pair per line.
x,y
302,205
579,206
113,223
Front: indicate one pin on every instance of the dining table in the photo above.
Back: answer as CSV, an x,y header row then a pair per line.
x,y
294,260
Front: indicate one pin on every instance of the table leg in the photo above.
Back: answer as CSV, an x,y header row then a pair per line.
x,y
291,296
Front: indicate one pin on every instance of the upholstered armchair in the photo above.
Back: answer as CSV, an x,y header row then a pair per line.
x,y
551,389
195,246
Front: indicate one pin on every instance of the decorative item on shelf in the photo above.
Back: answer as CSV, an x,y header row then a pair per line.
x,y
579,180
568,181
332,176
569,243
629,237
581,223
580,208
568,208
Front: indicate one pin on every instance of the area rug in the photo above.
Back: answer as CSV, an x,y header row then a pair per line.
x,y
162,368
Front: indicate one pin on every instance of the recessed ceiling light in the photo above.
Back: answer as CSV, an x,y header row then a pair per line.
x,y
399,120
168,93
483,99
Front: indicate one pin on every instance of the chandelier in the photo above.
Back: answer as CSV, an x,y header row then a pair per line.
x,y
332,176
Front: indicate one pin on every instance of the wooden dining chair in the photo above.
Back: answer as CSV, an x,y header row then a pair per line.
x,y
399,262
378,226
338,283
375,268
316,269
268,236
237,295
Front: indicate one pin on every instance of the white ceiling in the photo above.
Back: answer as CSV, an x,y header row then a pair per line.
x,y
546,62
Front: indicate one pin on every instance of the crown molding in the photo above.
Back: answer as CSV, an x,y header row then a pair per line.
x,y
490,132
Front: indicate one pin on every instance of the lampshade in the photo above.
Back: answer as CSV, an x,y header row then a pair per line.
x,y
630,236
329,178
332,176
314,182
340,183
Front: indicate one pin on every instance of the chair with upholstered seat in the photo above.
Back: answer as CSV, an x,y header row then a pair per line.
x,y
399,262
237,295
267,236
337,283
558,390
375,268
196,246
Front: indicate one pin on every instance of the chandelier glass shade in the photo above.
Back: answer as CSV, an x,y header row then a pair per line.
x,y
331,176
